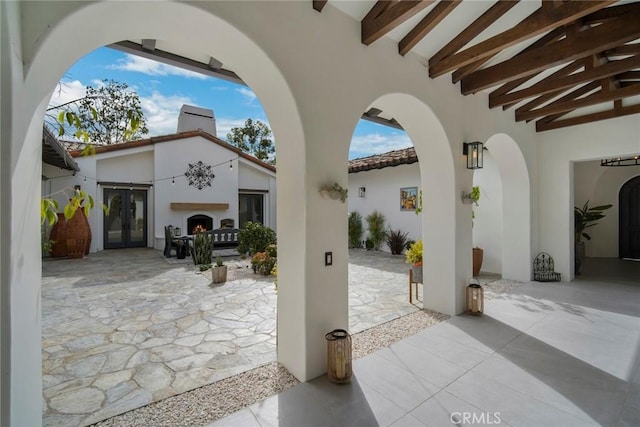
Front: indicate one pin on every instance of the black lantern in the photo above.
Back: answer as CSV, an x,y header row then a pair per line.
x,y
473,151
475,298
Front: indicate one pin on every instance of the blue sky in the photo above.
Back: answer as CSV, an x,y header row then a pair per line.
x,y
163,89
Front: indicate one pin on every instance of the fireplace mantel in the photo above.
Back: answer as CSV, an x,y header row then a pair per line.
x,y
200,206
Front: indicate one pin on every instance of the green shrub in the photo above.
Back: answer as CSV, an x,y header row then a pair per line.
x,y
204,267
377,232
255,238
355,230
397,241
414,253
202,248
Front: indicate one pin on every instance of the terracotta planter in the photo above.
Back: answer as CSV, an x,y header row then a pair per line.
x,y
219,274
59,236
78,229
75,248
478,254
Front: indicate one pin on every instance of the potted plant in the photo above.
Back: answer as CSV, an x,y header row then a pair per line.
x,y
334,192
478,253
219,272
414,257
584,218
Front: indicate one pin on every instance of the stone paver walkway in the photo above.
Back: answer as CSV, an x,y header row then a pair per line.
x,y
121,329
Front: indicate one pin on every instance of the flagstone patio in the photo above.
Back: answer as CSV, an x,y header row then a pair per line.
x,y
121,329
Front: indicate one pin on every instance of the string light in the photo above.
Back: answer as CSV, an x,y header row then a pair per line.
x,y
151,182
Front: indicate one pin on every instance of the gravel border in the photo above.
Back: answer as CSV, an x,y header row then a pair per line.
x,y
209,403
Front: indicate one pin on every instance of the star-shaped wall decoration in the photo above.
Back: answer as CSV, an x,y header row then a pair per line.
x,y
199,175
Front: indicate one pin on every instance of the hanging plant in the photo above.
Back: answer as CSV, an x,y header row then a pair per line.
x,y
334,192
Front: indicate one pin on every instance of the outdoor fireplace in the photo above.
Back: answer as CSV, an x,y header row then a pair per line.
x,y
199,223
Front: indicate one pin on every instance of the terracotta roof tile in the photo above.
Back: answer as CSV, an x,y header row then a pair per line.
x,y
75,148
406,156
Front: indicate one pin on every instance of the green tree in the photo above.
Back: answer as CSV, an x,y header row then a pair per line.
x,y
254,138
109,114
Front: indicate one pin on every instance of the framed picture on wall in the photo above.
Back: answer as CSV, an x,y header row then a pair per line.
x,y
408,198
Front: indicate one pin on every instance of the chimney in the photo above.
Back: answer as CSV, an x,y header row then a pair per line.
x,y
194,118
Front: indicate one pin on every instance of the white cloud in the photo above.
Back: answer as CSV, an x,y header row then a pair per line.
x,y
247,93
153,68
375,143
162,112
224,125
66,92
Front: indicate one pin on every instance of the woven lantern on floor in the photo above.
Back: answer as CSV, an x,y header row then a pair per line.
x,y
475,298
339,356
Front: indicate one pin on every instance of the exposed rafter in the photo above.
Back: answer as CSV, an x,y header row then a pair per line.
x,y
596,98
593,40
536,24
580,54
552,84
428,23
319,4
387,15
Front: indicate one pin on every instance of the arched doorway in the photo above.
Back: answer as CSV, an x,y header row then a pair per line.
x,y
515,205
444,272
629,199
207,33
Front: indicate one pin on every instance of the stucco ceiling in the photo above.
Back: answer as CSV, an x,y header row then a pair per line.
x,y
559,63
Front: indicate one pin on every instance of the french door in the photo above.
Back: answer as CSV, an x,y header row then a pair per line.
x,y
125,226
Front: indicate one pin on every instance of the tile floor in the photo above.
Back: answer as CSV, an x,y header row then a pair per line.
x,y
547,354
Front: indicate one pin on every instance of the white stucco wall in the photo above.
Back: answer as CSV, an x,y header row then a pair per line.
x,y
487,226
313,111
383,194
601,186
559,149
172,159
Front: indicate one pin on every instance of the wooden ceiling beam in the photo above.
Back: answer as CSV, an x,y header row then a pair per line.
x,y
428,23
535,24
624,50
550,37
319,4
596,98
553,83
384,16
611,12
566,70
542,41
605,36
629,76
588,118
549,96
491,15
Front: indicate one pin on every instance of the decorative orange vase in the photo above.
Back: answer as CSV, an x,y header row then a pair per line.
x,y
478,255
78,235
59,236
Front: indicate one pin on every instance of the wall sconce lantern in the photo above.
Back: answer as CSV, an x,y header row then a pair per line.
x,y
362,191
473,151
475,298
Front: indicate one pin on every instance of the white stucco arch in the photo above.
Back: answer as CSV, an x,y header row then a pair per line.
x,y
80,29
438,183
516,207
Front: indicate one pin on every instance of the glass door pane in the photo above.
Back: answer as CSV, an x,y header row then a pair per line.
x,y
114,222
250,209
137,218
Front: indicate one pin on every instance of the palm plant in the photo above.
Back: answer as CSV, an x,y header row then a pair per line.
x,y
587,217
